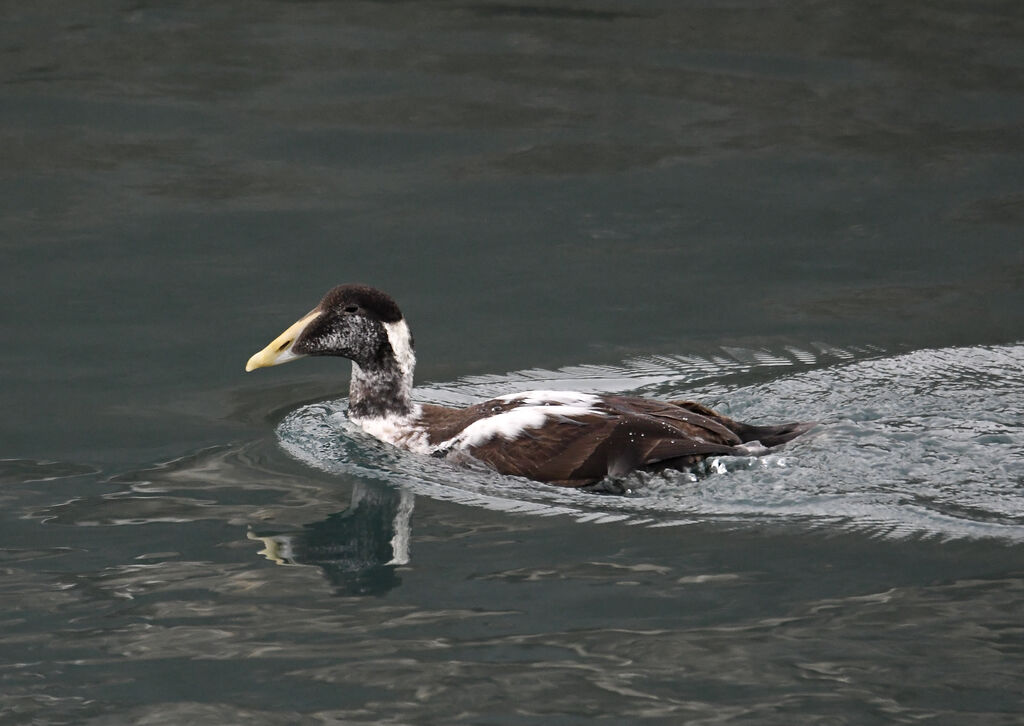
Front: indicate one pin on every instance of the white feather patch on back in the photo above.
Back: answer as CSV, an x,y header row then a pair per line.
x,y
511,424
401,343
549,398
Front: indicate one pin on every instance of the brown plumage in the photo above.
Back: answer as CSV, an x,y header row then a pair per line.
x,y
560,437
623,434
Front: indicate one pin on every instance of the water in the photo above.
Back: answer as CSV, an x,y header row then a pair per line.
x,y
790,212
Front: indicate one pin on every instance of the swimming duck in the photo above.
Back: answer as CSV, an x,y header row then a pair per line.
x,y
565,438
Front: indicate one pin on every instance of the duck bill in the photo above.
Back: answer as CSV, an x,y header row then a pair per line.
x,y
280,349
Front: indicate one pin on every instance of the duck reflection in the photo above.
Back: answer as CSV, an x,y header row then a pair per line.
x,y
359,548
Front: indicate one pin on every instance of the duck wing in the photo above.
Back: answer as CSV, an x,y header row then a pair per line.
x,y
617,435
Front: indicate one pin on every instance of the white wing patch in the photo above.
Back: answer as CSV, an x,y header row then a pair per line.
x,y
550,398
536,409
511,424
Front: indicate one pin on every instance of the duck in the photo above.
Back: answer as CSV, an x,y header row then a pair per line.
x,y
562,438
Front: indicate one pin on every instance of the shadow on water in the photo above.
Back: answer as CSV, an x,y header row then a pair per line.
x,y
358,545
357,549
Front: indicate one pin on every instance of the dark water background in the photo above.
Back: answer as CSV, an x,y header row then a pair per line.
x,y
791,210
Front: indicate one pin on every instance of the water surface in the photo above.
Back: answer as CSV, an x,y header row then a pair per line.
x,y
795,212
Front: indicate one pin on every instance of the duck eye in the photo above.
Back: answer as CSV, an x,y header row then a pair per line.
x,y
351,308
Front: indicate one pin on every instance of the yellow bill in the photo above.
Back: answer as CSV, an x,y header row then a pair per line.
x,y
280,349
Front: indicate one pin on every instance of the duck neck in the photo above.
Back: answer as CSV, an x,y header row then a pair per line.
x,y
382,384
379,392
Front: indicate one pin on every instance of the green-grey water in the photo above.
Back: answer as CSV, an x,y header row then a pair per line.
x,y
803,211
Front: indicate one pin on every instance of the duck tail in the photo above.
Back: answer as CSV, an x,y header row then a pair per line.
x,y
768,436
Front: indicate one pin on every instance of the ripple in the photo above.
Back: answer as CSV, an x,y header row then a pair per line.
x,y
25,471
928,443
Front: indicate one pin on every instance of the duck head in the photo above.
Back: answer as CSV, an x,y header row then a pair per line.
x,y
356,322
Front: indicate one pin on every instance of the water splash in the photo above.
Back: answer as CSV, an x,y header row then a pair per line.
x,y
928,443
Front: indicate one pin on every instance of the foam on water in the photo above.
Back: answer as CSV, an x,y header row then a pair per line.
x,y
924,443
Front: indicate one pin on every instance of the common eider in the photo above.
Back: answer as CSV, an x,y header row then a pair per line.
x,y
564,438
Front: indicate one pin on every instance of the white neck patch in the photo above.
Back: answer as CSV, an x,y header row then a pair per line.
x,y
401,343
